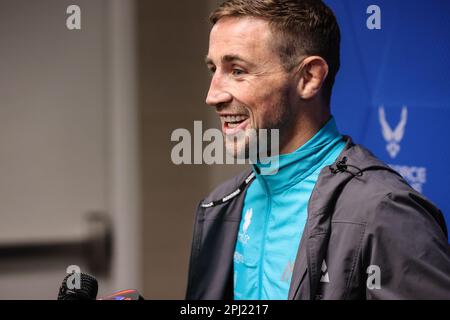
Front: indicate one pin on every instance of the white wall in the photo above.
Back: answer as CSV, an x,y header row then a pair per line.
x,y
59,152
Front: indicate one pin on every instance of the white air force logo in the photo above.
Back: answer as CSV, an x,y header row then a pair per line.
x,y
416,176
393,137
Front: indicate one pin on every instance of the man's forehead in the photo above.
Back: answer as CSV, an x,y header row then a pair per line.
x,y
244,35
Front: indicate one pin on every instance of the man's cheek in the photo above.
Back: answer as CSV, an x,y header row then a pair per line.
x,y
265,118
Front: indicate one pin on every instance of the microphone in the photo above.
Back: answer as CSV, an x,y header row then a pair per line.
x,y
87,290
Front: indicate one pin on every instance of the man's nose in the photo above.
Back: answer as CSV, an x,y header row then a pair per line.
x,y
217,94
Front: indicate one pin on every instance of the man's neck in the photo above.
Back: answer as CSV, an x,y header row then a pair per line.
x,y
303,130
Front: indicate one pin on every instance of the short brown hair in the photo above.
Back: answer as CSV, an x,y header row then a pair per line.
x,y
306,27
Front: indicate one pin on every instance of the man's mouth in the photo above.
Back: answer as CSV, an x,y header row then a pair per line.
x,y
231,124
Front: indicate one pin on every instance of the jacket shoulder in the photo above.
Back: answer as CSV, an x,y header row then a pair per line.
x,y
377,188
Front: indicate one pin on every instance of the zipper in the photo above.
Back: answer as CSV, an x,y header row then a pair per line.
x,y
263,245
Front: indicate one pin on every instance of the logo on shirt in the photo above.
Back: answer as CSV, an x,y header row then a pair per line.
x,y
247,219
243,236
238,258
324,278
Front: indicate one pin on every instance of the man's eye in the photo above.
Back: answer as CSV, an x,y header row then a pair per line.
x,y
237,72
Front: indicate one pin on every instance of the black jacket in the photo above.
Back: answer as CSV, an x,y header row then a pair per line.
x,y
364,221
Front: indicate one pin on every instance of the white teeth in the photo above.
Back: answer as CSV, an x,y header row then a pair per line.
x,y
234,118
232,125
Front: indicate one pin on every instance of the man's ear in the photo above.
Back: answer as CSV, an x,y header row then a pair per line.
x,y
311,76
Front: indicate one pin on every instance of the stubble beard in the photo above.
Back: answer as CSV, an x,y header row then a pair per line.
x,y
242,145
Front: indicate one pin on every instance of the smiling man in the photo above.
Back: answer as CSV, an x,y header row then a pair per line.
x,y
252,88
334,222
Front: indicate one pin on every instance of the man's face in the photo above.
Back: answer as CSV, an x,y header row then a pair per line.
x,y
249,87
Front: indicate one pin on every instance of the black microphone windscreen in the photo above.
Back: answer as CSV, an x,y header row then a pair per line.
x,y
85,289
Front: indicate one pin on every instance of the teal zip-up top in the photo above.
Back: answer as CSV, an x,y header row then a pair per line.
x,y
274,216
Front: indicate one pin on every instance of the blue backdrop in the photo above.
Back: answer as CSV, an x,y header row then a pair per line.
x,y
392,93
